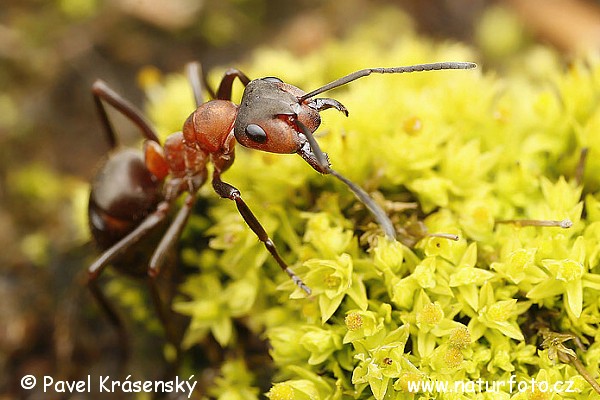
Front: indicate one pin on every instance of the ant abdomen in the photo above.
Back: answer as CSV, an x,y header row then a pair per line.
x,y
123,194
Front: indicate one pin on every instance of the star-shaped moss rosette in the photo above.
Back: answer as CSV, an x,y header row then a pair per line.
x,y
493,161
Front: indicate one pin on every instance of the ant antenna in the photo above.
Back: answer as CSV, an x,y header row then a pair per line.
x,y
393,70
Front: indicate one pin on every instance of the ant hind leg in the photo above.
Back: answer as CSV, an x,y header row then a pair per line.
x,y
113,317
103,93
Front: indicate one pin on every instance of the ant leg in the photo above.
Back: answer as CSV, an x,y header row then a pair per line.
x,y
165,314
227,191
103,93
132,237
194,74
112,316
101,262
318,160
209,89
171,236
224,91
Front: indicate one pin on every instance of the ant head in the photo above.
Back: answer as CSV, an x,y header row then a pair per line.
x,y
268,115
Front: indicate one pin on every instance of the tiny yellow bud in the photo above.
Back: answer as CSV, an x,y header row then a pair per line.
x,y
431,314
565,270
149,76
281,391
481,214
412,125
332,281
408,381
520,258
537,394
460,338
353,321
570,270
453,357
501,311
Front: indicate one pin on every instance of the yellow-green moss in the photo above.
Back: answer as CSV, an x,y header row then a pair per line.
x,y
471,148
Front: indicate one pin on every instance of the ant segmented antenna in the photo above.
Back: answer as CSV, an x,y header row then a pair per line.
x,y
392,70
379,214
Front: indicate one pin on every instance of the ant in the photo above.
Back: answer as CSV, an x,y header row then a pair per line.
x,y
132,195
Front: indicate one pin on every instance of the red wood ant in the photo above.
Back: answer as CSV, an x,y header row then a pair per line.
x,y
131,196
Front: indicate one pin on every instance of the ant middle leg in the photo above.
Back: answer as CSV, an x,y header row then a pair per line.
x,y
171,235
172,326
121,247
224,91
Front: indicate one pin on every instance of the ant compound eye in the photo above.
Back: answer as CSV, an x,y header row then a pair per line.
x,y
272,79
256,133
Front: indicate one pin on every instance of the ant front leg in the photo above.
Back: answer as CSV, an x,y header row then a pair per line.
x,y
311,152
225,190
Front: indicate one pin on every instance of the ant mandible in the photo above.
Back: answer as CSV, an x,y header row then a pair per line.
x,y
273,116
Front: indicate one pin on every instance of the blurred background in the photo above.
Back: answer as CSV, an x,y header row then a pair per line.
x,y
51,140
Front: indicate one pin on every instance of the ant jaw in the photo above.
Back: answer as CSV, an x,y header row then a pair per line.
x,y
321,104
